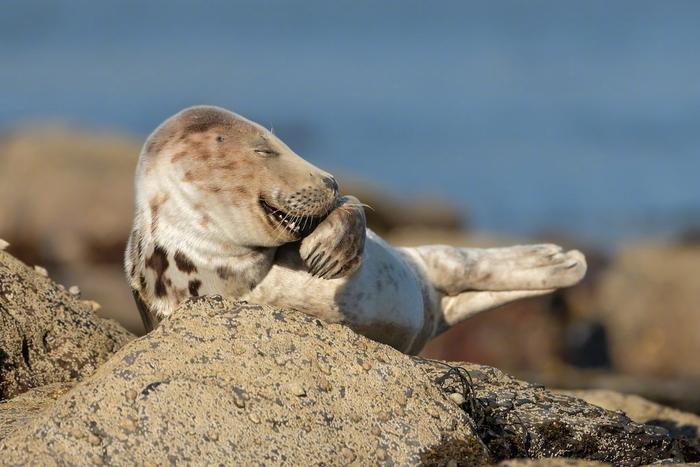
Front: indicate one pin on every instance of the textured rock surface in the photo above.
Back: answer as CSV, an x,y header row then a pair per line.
x,y
641,410
522,420
236,384
47,335
21,409
685,427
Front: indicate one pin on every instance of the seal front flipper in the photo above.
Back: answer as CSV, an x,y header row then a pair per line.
x,y
334,248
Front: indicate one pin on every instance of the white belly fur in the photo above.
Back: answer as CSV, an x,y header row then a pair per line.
x,y
383,295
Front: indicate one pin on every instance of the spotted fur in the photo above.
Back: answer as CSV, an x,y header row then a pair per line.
x,y
225,207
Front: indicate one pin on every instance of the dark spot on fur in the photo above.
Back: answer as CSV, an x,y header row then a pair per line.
x,y
178,156
132,272
224,273
231,166
201,119
159,263
241,190
193,287
183,263
142,281
213,188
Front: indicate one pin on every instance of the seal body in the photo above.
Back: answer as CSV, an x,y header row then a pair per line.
x,y
225,207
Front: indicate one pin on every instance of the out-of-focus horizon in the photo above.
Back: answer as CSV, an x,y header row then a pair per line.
x,y
579,118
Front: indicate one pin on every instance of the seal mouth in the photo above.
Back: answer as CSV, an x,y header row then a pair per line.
x,y
297,226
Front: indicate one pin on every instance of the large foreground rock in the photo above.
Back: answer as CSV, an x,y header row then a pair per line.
x,y
240,384
46,334
234,383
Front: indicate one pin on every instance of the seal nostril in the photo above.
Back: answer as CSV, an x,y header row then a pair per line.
x,y
330,183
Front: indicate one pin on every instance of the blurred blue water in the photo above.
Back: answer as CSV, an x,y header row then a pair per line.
x,y
577,116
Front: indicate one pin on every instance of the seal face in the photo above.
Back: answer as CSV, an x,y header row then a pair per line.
x,y
224,207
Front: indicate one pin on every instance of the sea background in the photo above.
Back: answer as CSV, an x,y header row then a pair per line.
x,y
576,117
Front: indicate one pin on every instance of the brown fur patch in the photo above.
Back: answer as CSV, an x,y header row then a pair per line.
x,y
201,119
241,190
224,273
178,156
193,287
183,263
158,261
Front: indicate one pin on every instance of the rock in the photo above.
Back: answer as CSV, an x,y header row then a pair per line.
x,y
649,302
210,379
641,410
80,208
682,425
46,335
19,410
551,462
522,420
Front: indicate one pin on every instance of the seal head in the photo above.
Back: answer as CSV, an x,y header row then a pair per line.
x,y
234,172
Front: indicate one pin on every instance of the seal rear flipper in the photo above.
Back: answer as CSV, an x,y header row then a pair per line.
x,y
146,315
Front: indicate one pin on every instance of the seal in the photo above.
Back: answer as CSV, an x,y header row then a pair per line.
x,y
223,206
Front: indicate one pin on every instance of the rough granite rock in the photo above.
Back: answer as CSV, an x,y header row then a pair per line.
x,y
683,426
19,410
516,419
232,383
46,334
227,382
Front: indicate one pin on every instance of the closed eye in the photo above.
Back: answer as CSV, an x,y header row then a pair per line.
x,y
266,152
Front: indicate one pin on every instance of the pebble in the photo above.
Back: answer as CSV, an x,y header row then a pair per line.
x,y
376,431
131,395
326,369
128,425
401,399
94,306
96,460
254,418
282,360
452,463
380,453
324,384
432,412
74,290
457,398
348,454
238,401
297,389
3,244
366,366
41,271
94,439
